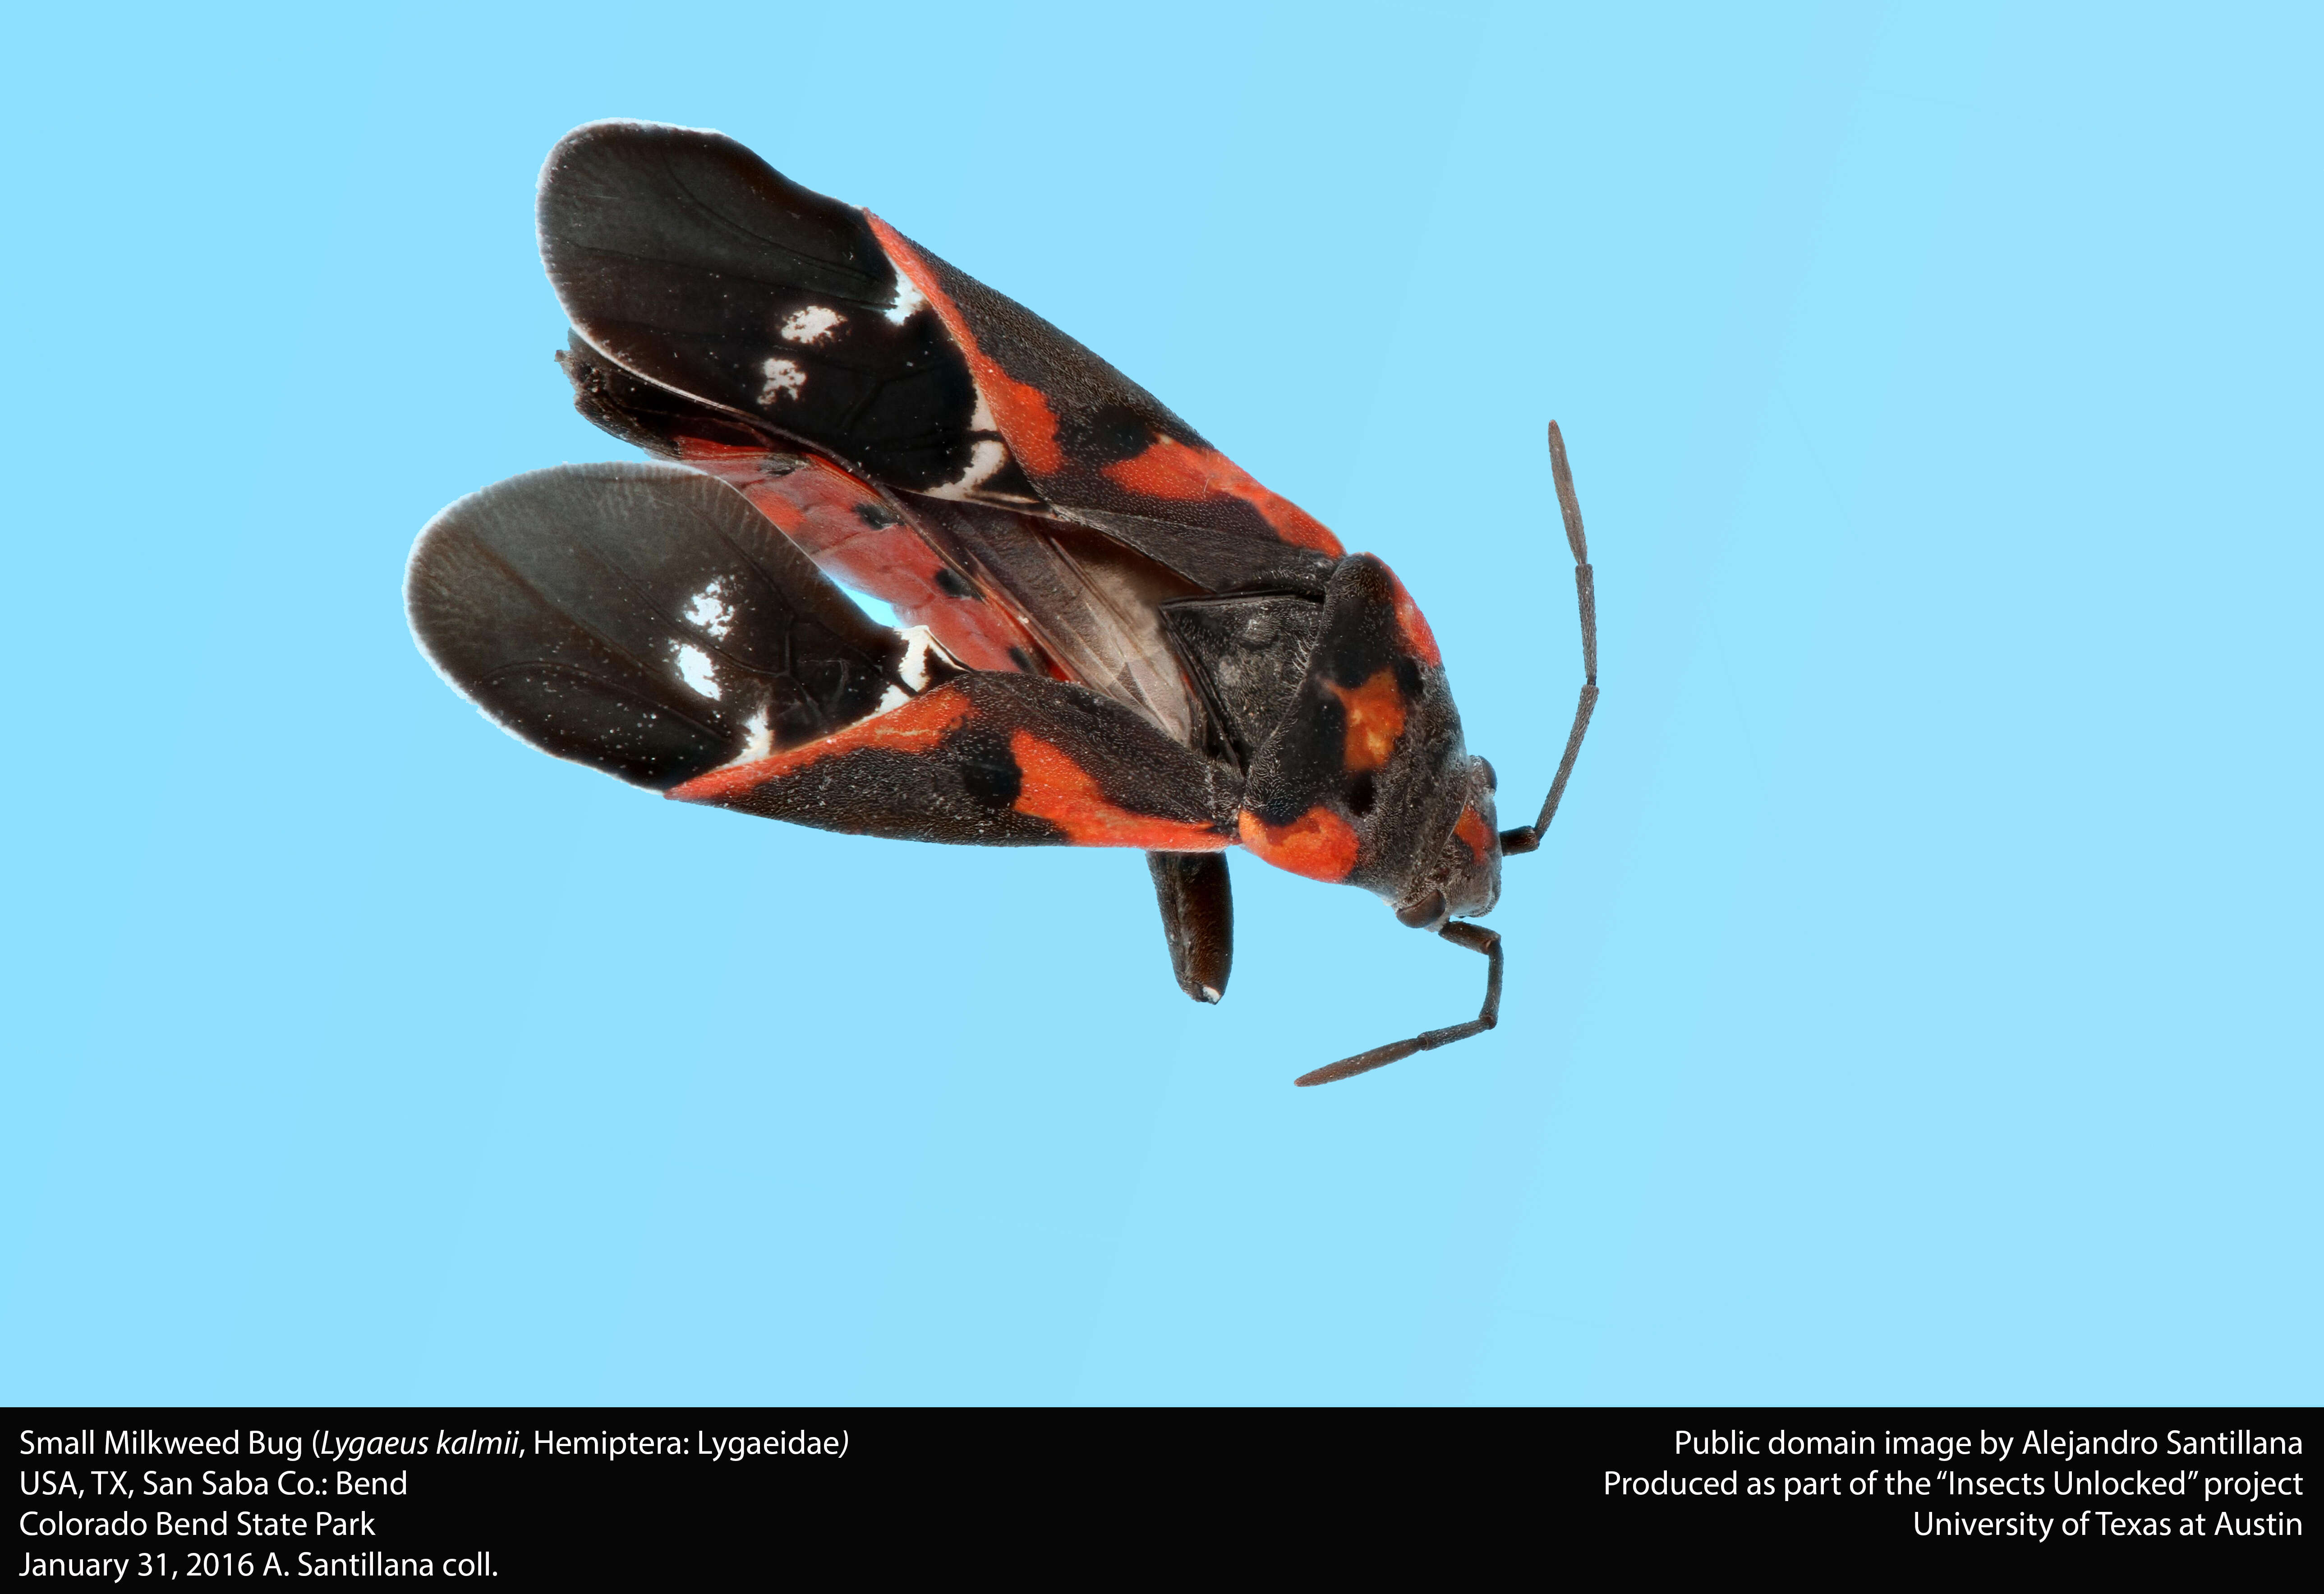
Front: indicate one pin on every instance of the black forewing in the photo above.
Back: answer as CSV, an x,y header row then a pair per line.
x,y
692,262
641,619
696,264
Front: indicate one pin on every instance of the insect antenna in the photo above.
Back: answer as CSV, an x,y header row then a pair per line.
x,y
1526,837
1476,938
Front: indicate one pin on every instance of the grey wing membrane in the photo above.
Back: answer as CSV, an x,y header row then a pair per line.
x,y
643,620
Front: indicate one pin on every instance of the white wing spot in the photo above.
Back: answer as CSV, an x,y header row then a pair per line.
x,y
893,697
784,380
908,299
917,642
984,459
710,611
759,742
986,456
695,669
811,325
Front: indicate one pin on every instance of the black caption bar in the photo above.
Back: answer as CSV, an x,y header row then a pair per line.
x,y
520,1497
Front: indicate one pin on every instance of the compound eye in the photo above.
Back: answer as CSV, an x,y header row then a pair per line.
x,y
1492,781
1420,915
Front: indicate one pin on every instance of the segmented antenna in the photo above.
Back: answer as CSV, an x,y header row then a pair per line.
x,y
1526,837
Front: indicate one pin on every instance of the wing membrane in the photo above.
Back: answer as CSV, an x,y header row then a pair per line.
x,y
645,621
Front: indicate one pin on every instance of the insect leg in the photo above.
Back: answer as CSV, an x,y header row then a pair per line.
x,y
1526,837
1197,919
1476,938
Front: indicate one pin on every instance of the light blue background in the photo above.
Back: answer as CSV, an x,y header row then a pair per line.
x,y
1916,1002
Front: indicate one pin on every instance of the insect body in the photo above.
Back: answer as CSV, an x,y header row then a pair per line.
x,y
1113,636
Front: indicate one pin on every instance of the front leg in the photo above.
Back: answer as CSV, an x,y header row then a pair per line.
x,y
1476,938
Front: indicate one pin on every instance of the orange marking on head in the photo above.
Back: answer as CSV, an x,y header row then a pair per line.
x,y
1473,831
916,726
1019,408
1375,720
1414,625
1319,844
1172,470
1059,790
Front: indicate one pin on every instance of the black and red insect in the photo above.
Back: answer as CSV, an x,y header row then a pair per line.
x,y
1115,637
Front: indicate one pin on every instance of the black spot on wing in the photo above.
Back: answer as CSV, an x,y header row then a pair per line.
x,y
988,770
950,583
966,789
906,796
1110,431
